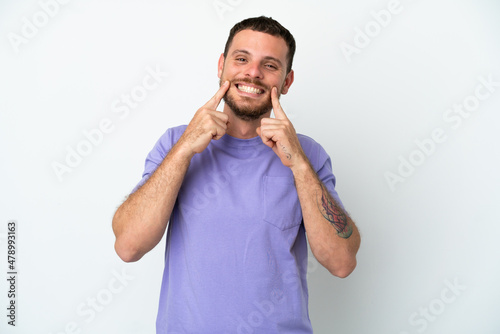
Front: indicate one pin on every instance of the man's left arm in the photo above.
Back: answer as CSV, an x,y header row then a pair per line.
x,y
332,235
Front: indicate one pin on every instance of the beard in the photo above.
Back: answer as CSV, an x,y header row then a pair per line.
x,y
247,109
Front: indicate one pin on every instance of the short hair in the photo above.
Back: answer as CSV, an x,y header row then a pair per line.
x,y
266,25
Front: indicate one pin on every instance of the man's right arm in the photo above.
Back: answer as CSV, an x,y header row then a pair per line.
x,y
140,222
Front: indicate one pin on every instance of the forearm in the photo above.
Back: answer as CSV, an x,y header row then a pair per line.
x,y
332,235
140,222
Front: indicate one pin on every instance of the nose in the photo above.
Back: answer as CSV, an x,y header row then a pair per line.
x,y
253,70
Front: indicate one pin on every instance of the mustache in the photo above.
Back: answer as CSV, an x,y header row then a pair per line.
x,y
255,82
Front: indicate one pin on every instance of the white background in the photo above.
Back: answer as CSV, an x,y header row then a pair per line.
x,y
438,227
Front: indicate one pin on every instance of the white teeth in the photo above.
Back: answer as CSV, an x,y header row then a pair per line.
x,y
248,89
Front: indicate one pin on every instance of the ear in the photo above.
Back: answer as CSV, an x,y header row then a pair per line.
x,y
288,82
220,65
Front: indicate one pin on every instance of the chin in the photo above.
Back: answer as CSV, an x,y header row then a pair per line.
x,y
247,111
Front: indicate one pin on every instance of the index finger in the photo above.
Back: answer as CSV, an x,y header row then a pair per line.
x,y
213,103
278,111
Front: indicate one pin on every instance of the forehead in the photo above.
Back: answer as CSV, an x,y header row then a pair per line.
x,y
259,44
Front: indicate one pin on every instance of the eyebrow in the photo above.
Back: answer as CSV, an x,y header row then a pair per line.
x,y
248,53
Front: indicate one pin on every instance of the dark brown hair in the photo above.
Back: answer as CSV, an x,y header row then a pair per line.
x,y
266,25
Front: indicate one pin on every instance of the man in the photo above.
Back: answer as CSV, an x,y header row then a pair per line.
x,y
240,190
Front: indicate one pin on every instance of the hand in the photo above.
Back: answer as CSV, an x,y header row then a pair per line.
x,y
279,134
207,124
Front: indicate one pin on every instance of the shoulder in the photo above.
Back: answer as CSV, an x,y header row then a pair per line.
x,y
314,151
175,132
306,140
166,142
170,137
309,145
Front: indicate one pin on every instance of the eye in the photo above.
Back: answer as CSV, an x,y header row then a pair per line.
x,y
271,66
241,60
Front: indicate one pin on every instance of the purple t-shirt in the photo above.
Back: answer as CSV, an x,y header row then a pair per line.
x,y
236,250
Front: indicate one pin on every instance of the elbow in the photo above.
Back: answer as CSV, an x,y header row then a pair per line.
x,y
343,269
339,263
127,253
124,248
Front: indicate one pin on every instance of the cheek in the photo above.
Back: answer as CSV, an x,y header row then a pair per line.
x,y
232,91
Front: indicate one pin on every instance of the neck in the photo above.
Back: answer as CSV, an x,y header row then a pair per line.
x,y
239,128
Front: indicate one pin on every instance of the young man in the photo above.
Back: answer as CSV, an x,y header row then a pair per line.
x,y
240,190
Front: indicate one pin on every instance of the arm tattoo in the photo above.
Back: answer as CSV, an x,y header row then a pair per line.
x,y
334,214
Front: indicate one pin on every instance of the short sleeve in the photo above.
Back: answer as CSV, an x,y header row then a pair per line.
x,y
159,152
322,164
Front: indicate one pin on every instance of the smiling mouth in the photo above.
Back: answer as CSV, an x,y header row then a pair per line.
x,y
249,89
